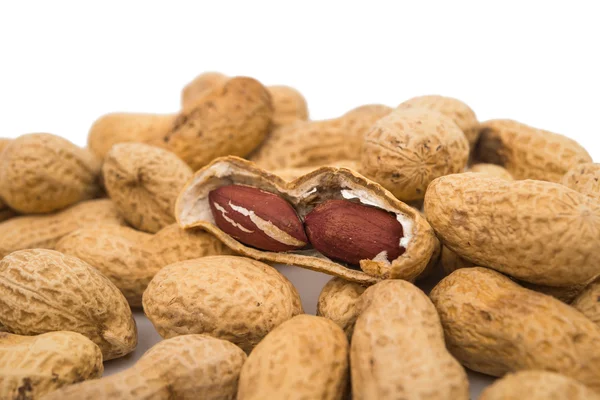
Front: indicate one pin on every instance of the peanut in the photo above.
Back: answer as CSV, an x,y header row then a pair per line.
x,y
41,173
303,358
584,178
201,84
409,148
398,329
456,110
491,170
44,231
3,143
31,366
538,385
289,174
44,291
130,258
539,232
493,325
337,302
185,367
144,182
526,152
588,302
232,298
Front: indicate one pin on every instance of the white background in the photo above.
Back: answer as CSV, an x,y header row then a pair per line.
x,y
63,64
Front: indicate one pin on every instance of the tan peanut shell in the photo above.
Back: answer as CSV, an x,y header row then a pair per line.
x,y
303,358
130,258
31,366
144,182
289,174
491,170
44,231
526,152
186,367
192,210
588,302
398,329
198,87
114,128
316,143
494,326
538,385
409,148
337,302
584,178
539,232
456,110
42,173
231,119
3,143
44,291
232,298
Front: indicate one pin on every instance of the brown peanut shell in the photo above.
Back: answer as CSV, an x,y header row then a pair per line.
x,y
491,170
199,86
289,174
584,178
588,302
337,302
527,152
192,210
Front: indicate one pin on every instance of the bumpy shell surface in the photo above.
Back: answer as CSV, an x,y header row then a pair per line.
x,y
538,385
43,291
144,182
588,302
337,302
185,367
31,366
304,358
41,173
492,170
114,128
409,148
192,210
201,84
3,143
584,178
289,174
526,152
539,232
233,118
44,231
130,258
456,110
289,105
493,325
316,143
232,298
398,329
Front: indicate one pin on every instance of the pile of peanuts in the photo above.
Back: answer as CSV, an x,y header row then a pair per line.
x,y
184,215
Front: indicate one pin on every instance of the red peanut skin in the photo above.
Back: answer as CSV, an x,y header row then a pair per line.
x,y
347,231
267,206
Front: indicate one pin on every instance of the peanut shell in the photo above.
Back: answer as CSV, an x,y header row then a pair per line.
x,y
526,152
491,170
538,385
144,182
42,173
398,329
337,302
130,258
289,174
201,84
31,366
303,358
494,326
588,302
231,298
3,143
584,178
185,367
192,210
44,231
409,148
44,291
539,232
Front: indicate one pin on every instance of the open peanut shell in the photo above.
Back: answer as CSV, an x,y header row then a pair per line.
x,y
304,193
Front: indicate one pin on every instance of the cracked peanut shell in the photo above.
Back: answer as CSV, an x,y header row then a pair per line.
x,y
193,210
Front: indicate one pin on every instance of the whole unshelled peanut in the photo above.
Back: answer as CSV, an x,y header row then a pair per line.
x,y
131,258
584,178
31,366
42,173
588,301
303,358
44,231
337,302
538,385
526,152
144,182
44,291
494,326
491,170
186,367
398,329
232,298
